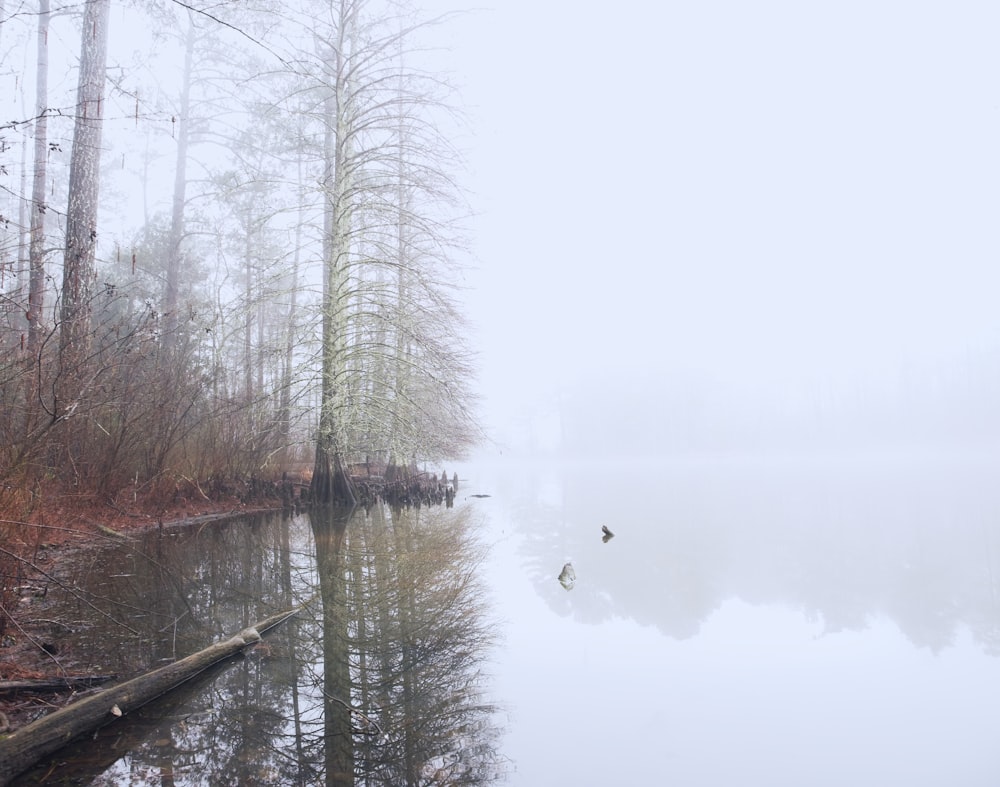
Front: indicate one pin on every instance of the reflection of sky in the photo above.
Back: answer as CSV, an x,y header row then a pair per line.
x,y
840,539
777,666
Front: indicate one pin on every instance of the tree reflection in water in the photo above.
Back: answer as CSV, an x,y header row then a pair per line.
x,y
379,681
404,639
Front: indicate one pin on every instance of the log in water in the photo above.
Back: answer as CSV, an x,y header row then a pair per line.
x,y
42,685
23,748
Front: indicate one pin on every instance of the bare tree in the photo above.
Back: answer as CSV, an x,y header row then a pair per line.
x,y
394,368
330,481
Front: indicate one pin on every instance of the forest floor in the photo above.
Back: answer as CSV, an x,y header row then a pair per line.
x,y
46,545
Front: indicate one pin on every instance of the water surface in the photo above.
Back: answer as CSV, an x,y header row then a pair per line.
x,y
784,621
378,680
778,621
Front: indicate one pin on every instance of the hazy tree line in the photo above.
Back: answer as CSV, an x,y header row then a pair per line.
x,y
229,245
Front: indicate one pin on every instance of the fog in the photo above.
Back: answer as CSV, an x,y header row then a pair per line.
x,y
774,219
701,226
749,248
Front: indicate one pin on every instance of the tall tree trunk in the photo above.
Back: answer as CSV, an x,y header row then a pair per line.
x,y
288,364
84,188
403,208
173,272
322,480
329,478
261,310
248,316
23,232
36,248
37,209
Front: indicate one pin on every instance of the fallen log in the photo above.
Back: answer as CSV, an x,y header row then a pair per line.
x,y
24,747
41,685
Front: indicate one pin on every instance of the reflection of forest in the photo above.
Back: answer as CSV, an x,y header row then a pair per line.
x,y
845,542
403,641
378,681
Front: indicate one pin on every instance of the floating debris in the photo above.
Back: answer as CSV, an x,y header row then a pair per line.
x,y
567,577
608,535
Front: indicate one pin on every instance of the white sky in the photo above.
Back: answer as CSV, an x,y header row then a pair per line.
x,y
776,194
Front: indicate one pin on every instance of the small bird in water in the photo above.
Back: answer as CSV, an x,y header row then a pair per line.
x,y
608,535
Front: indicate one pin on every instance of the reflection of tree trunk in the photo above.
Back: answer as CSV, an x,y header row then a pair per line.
x,y
291,643
284,559
361,565
402,641
401,529
291,633
329,527
165,762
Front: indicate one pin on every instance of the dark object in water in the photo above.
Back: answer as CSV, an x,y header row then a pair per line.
x,y
567,577
608,535
478,495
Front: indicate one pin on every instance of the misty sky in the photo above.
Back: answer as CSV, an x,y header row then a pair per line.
x,y
784,197
781,199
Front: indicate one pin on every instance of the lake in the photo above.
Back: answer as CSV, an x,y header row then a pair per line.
x,y
779,621
754,621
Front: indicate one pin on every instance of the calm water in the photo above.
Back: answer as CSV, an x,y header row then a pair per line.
x,y
780,622
379,676
756,622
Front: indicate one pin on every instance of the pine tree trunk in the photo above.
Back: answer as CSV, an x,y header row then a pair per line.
x,y
36,246
173,272
84,188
